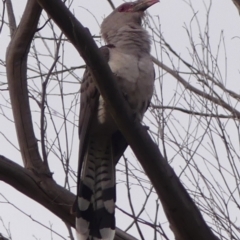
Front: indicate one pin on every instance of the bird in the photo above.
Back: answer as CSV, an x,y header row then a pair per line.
x,y
127,52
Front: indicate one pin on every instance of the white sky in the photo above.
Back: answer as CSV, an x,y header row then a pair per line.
x,y
173,16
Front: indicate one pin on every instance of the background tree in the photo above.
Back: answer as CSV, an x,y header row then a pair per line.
x,y
193,119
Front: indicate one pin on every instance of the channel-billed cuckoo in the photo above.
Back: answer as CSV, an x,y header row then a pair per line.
x,y
101,143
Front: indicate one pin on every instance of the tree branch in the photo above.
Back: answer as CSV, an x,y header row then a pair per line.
x,y
185,219
190,112
237,4
11,17
188,86
45,191
16,62
2,237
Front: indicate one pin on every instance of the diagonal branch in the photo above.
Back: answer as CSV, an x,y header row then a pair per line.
x,y
185,219
188,86
45,191
11,17
237,4
16,62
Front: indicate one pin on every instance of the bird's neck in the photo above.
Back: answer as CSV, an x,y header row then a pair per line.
x,y
131,40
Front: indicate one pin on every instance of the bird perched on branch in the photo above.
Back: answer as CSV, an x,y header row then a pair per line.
x,y
101,143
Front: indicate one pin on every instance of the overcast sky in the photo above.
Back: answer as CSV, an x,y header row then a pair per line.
x,y
173,16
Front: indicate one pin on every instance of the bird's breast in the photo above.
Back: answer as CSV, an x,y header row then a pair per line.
x,y
135,77
124,66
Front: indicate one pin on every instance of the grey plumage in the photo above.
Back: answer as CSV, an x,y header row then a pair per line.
x,y
101,143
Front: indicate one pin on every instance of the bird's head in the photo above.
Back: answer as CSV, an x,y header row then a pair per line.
x,y
128,14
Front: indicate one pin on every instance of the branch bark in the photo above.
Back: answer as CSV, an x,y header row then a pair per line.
x,y
2,237
185,219
11,17
45,191
16,62
237,4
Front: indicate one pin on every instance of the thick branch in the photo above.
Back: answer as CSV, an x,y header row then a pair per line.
x,y
185,219
16,61
2,237
44,191
237,4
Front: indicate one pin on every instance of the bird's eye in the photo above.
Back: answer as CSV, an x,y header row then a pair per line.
x,y
126,7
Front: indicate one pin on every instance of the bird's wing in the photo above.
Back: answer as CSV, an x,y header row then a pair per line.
x,y
88,106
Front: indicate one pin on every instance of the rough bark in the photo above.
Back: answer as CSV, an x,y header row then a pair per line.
x,y
185,219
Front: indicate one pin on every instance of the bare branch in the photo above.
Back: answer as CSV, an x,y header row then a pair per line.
x,y
11,17
111,4
42,120
3,13
16,60
193,112
45,191
188,86
237,4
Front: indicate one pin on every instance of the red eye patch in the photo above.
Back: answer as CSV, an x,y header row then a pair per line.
x,y
126,7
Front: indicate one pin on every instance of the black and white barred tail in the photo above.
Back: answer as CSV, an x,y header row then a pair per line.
x,y
96,194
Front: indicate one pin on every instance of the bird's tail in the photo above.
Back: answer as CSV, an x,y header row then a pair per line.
x,y
96,194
